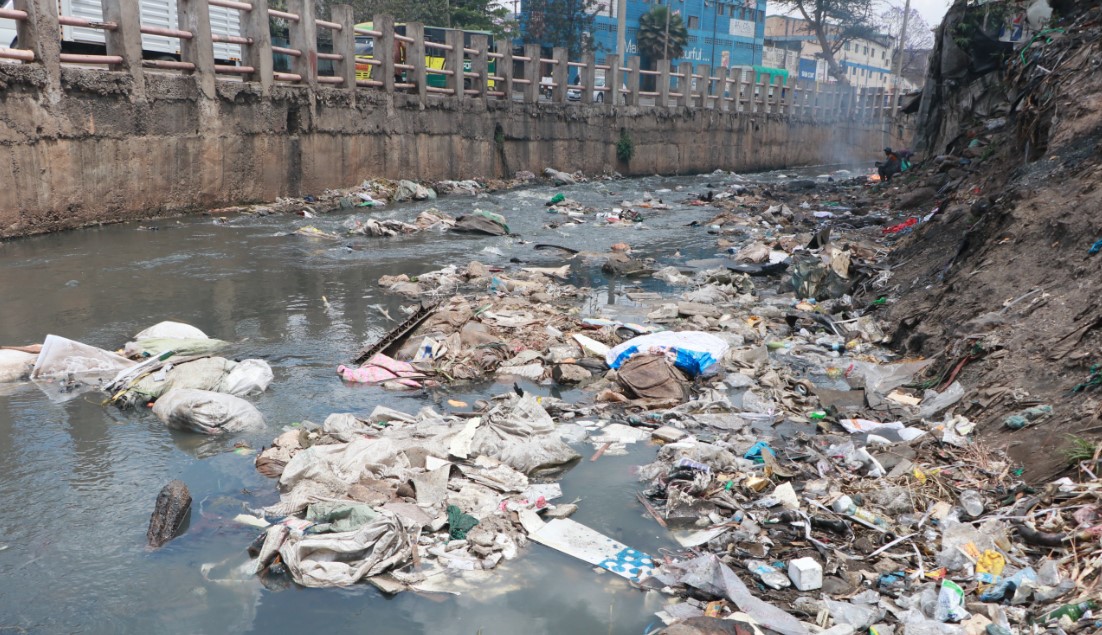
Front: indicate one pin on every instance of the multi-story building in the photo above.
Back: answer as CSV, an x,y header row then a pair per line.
x,y
721,33
866,62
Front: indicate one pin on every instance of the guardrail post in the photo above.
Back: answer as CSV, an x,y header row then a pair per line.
x,y
753,98
560,74
344,43
589,79
634,79
504,67
532,73
705,87
415,57
739,77
453,61
126,40
685,69
480,64
613,80
304,37
663,99
255,24
41,33
721,89
199,50
384,48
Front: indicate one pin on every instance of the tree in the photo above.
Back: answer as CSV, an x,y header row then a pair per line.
x,y
480,15
656,41
834,23
916,45
566,23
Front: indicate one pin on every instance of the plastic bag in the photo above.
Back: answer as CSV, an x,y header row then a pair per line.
x,y
695,352
206,412
382,369
522,435
934,402
15,365
63,357
880,379
950,603
174,330
65,369
248,377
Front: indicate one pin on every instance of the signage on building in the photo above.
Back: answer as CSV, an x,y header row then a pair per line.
x,y
743,28
808,69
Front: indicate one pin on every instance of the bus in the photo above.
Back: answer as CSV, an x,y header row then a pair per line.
x,y
434,57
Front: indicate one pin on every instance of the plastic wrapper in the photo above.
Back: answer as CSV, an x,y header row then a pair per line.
x,y
695,352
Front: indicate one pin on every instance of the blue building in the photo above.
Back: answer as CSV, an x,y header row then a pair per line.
x,y
721,33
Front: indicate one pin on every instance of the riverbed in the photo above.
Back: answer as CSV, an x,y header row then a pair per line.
x,y
78,479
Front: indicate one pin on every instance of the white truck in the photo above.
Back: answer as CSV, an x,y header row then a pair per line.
x,y
157,13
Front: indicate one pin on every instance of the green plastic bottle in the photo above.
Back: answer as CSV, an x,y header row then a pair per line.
x,y
1073,611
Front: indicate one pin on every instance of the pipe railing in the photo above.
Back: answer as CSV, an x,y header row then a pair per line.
x,y
411,63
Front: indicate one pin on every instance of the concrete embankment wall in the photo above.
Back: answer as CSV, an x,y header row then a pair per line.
x,y
99,152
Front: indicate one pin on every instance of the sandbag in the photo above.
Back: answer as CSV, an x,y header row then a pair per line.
x,y
206,412
15,365
174,330
653,377
216,374
481,222
154,346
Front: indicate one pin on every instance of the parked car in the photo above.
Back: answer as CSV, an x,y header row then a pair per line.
x,y
575,94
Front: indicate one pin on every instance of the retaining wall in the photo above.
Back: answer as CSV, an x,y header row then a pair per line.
x,y
101,152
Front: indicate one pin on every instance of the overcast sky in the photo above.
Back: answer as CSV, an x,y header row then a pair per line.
x,y
932,10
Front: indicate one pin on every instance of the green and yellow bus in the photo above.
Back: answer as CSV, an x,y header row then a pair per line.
x,y
434,57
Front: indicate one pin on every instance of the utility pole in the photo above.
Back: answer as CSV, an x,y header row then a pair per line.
x,y
621,31
897,67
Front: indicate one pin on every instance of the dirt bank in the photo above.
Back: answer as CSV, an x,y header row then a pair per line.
x,y
1000,285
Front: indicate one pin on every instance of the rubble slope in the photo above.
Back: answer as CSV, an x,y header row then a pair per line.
x,y
1000,285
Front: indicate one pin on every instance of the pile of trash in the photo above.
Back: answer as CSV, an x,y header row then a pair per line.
x,y
408,502
171,366
378,193
815,481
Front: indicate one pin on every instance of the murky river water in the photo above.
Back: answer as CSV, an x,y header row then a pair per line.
x,y
78,480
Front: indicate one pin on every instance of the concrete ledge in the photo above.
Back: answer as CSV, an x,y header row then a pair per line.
x,y
101,152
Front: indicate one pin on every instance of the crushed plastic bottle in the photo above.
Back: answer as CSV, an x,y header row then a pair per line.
x,y
846,506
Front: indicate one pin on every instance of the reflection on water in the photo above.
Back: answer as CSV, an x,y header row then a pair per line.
x,y
78,481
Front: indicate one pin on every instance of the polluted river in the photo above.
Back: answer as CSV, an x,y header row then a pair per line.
x,y
79,477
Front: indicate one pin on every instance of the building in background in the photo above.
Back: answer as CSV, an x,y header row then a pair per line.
x,y
790,43
721,33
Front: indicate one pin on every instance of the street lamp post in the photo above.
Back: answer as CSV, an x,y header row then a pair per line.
x,y
715,27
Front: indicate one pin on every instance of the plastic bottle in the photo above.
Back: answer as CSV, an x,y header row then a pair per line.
x,y
1073,611
845,505
972,502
